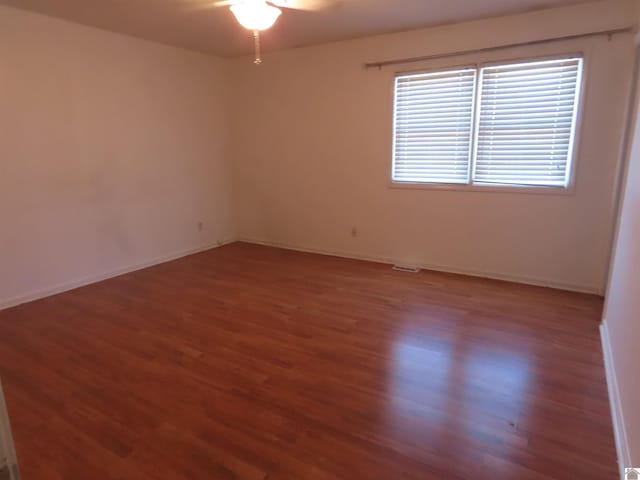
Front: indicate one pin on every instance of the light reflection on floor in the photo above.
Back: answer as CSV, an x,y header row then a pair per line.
x,y
448,388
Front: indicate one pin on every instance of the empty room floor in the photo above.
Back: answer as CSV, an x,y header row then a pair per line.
x,y
249,362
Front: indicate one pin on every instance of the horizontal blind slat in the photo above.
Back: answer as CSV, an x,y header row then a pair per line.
x,y
539,82
529,133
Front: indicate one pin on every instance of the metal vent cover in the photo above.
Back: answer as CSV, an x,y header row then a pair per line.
x,y
406,268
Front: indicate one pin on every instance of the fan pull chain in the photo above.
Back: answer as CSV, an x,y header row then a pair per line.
x,y
256,39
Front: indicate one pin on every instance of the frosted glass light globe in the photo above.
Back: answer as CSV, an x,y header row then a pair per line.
x,y
256,14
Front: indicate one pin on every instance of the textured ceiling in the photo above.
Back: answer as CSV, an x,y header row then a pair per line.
x,y
195,25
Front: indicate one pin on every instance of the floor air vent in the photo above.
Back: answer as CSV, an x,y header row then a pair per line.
x,y
404,268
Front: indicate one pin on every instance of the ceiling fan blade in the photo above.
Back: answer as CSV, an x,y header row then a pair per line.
x,y
308,5
311,5
224,3
196,5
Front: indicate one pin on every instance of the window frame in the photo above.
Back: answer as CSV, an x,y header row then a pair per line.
x,y
569,189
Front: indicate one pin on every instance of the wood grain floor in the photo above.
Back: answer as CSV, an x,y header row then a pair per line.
x,y
247,362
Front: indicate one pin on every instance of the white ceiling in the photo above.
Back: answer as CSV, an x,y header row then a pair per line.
x,y
194,25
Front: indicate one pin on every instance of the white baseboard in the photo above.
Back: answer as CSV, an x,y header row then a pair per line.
x,y
46,292
63,287
8,459
439,268
622,446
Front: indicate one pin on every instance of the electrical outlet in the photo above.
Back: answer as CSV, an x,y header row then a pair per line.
x,y
200,226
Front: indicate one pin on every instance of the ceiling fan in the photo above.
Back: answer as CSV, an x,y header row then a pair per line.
x,y
259,15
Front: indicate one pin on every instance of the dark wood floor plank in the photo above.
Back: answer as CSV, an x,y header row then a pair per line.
x,y
248,362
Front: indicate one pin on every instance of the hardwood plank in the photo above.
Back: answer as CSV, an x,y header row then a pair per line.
x,y
255,363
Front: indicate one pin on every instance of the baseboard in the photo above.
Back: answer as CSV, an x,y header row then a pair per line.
x,y
64,287
8,461
42,293
622,446
440,268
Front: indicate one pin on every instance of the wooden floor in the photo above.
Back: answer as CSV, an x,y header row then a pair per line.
x,y
247,362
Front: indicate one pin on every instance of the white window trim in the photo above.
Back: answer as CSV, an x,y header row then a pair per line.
x,y
569,190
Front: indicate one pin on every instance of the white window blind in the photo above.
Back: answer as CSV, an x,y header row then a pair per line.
x,y
514,126
526,122
433,124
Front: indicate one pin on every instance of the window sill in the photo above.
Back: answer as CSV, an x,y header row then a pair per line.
x,y
566,191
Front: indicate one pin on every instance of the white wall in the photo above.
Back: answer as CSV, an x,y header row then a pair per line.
x,y
621,326
112,150
312,152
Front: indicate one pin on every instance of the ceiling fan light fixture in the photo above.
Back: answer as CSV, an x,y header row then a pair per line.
x,y
256,15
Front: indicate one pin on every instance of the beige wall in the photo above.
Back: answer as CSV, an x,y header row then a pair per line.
x,y
621,327
312,147
622,315
112,150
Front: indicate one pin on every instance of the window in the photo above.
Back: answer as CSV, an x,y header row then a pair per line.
x,y
433,125
510,124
